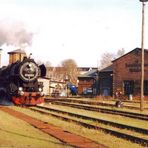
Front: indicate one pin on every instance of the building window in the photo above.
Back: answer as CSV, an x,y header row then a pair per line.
x,y
128,87
146,87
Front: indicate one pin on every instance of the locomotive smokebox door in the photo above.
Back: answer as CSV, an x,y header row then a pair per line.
x,y
43,70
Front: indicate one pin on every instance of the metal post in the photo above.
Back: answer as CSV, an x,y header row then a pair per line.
x,y
66,83
142,57
0,58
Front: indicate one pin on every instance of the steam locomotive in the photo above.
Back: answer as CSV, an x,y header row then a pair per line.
x,y
19,82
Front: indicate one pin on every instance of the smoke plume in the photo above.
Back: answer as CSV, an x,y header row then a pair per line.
x,y
14,33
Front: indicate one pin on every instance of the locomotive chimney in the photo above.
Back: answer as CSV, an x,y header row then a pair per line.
x,y
16,55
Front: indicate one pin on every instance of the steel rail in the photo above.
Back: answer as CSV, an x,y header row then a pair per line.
x,y
119,125
91,102
104,110
141,141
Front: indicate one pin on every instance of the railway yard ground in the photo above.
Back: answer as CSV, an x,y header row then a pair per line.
x,y
99,123
15,133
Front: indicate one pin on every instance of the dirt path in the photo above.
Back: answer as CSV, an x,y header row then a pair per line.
x,y
64,136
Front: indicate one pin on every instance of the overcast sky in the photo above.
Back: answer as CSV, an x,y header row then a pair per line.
x,y
55,30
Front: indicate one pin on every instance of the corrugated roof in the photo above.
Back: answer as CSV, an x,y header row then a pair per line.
x,y
17,51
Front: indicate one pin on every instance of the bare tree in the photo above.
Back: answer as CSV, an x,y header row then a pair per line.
x,y
48,64
120,53
106,59
70,70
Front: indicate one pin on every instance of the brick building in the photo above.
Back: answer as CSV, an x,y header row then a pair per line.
x,y
96,82
127,74
122,78
87,83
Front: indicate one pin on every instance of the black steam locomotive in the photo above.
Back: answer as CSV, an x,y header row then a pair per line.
x,y
19,82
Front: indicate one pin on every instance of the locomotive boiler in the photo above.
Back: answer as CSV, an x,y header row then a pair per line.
x,y
19,82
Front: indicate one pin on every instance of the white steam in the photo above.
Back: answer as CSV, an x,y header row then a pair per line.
x,y
14,33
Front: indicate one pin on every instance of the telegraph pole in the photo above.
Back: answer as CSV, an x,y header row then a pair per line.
x,y
0,58
142,56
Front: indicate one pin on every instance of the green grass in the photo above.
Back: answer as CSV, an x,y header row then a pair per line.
x,y
100,124
98,136
109,117
112,102
15,133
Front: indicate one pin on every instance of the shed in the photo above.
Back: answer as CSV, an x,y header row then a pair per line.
x,y
106,81
87,83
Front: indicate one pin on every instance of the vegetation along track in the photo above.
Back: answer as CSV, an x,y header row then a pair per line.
x,y
67,138
104,110
82,101
78,120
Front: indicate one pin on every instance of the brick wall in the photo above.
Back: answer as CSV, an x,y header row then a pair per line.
x,y
128,68
85,83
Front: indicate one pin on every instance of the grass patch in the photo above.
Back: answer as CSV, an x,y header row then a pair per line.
x,y
104,116
15,133
95,123
112,102
97,136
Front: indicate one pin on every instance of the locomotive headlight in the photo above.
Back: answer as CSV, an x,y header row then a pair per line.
x,y
21,92
40,89
30,65
20,88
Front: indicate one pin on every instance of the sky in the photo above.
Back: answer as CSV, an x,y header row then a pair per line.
x,y
55,30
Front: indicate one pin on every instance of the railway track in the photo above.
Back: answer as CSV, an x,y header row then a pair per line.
x,y
103,110
84,121
66,137
80,101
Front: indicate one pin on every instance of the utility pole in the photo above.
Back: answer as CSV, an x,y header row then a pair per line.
x,y
142,56
0,58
